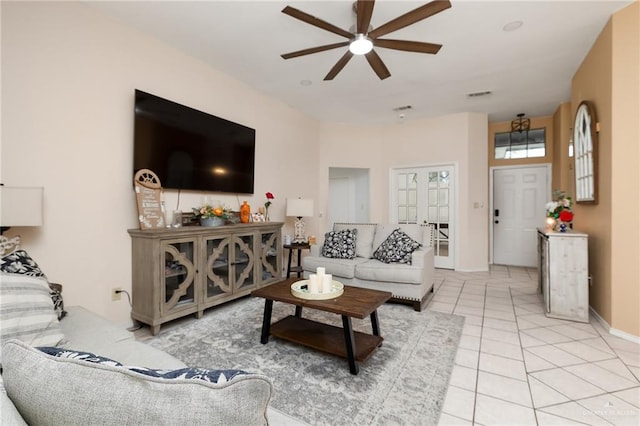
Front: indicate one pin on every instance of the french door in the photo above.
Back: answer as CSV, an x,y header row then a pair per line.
x,y
426,195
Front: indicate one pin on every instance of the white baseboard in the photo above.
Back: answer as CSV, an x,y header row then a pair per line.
x,y
615,332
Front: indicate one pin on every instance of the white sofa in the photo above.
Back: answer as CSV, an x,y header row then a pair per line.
x,y
410,284
38,388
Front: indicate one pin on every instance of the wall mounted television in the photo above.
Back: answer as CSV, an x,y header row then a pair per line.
x,y
190,149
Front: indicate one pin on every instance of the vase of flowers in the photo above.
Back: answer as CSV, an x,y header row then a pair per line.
x,y
270,197
560,210
209,215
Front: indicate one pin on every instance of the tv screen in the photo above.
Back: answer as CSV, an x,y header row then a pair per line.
x,y
190,149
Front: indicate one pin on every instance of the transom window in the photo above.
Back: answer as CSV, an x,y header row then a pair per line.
x,y
524,144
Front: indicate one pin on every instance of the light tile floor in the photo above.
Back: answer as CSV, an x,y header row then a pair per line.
x,y
515,366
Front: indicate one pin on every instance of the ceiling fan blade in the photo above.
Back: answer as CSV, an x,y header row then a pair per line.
x,y
377,65
313,50
412,17
407,46
364,11
316,22
339,65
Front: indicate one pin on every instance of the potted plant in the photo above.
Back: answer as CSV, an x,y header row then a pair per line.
x,y
212,215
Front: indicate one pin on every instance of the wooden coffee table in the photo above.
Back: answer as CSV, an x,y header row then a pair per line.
x,y
355,302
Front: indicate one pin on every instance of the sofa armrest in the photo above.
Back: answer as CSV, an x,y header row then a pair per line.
x,y
314,250
422,257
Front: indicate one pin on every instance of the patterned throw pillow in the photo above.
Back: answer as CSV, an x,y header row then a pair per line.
x,y
19,262
211,376
340,244
396,248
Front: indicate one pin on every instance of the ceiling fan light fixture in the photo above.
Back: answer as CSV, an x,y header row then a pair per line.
x,y
360,45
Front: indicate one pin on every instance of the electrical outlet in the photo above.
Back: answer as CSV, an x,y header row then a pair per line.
x,y
115,295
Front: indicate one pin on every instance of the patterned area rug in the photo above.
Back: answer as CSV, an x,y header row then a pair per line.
x,y
403,382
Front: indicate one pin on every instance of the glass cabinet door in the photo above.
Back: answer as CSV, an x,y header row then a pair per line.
x,y
178,289
270,262
218,267
243,264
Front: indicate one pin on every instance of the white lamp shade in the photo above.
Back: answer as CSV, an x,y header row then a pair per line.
x,y
299,207
20,206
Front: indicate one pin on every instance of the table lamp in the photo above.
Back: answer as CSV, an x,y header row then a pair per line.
x,y
299,208
18,207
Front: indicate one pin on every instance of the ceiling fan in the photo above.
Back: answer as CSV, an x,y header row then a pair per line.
x,y
364,39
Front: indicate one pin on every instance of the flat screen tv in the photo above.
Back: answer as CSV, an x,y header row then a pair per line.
x,y
190,149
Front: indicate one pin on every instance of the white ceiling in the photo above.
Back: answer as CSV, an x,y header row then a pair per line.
x,y
528,70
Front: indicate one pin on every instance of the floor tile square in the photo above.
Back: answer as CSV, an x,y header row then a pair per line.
x,y
503,366
504,388
501,335
546,335
542,395
569,385
506,350
535,363
600,377
493,411
500,324
492,313
632,396
546,419
554,355
584,351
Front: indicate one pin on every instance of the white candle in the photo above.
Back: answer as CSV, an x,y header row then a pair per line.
x,y
314,284
320,271
326,283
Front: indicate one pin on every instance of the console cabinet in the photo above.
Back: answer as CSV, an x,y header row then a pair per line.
x,y
182,271
563,274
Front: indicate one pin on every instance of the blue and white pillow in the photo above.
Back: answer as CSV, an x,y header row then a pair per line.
x,y
340,244
397,248
207,375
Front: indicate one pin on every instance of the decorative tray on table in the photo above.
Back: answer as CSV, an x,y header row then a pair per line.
x,y
301,289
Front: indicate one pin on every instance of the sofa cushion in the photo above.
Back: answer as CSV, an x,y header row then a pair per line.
x,y
366,233
47,390
397,248
344,268
340,244
26,311
374,270
19,262
82,327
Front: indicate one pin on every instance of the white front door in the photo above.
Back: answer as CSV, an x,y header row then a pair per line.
x,y
519,198
426,195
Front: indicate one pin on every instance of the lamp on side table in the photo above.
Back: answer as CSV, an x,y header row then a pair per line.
x,y
299,208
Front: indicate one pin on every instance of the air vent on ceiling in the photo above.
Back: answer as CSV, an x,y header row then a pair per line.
x,y
477,94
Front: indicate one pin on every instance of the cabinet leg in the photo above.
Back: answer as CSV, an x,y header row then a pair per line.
x,y
199,314
154,329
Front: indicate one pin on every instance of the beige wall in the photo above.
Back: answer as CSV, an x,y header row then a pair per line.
x,y
459,139
562,170
69,76
609,77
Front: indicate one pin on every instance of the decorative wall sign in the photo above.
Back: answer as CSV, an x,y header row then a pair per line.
x,y
148,193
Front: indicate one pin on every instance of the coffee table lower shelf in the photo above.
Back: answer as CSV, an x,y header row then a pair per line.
x,y
324,337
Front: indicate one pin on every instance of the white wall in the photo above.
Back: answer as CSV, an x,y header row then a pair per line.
x,y
68,80
459,138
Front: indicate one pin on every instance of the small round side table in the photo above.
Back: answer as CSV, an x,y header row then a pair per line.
x,y
299,247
